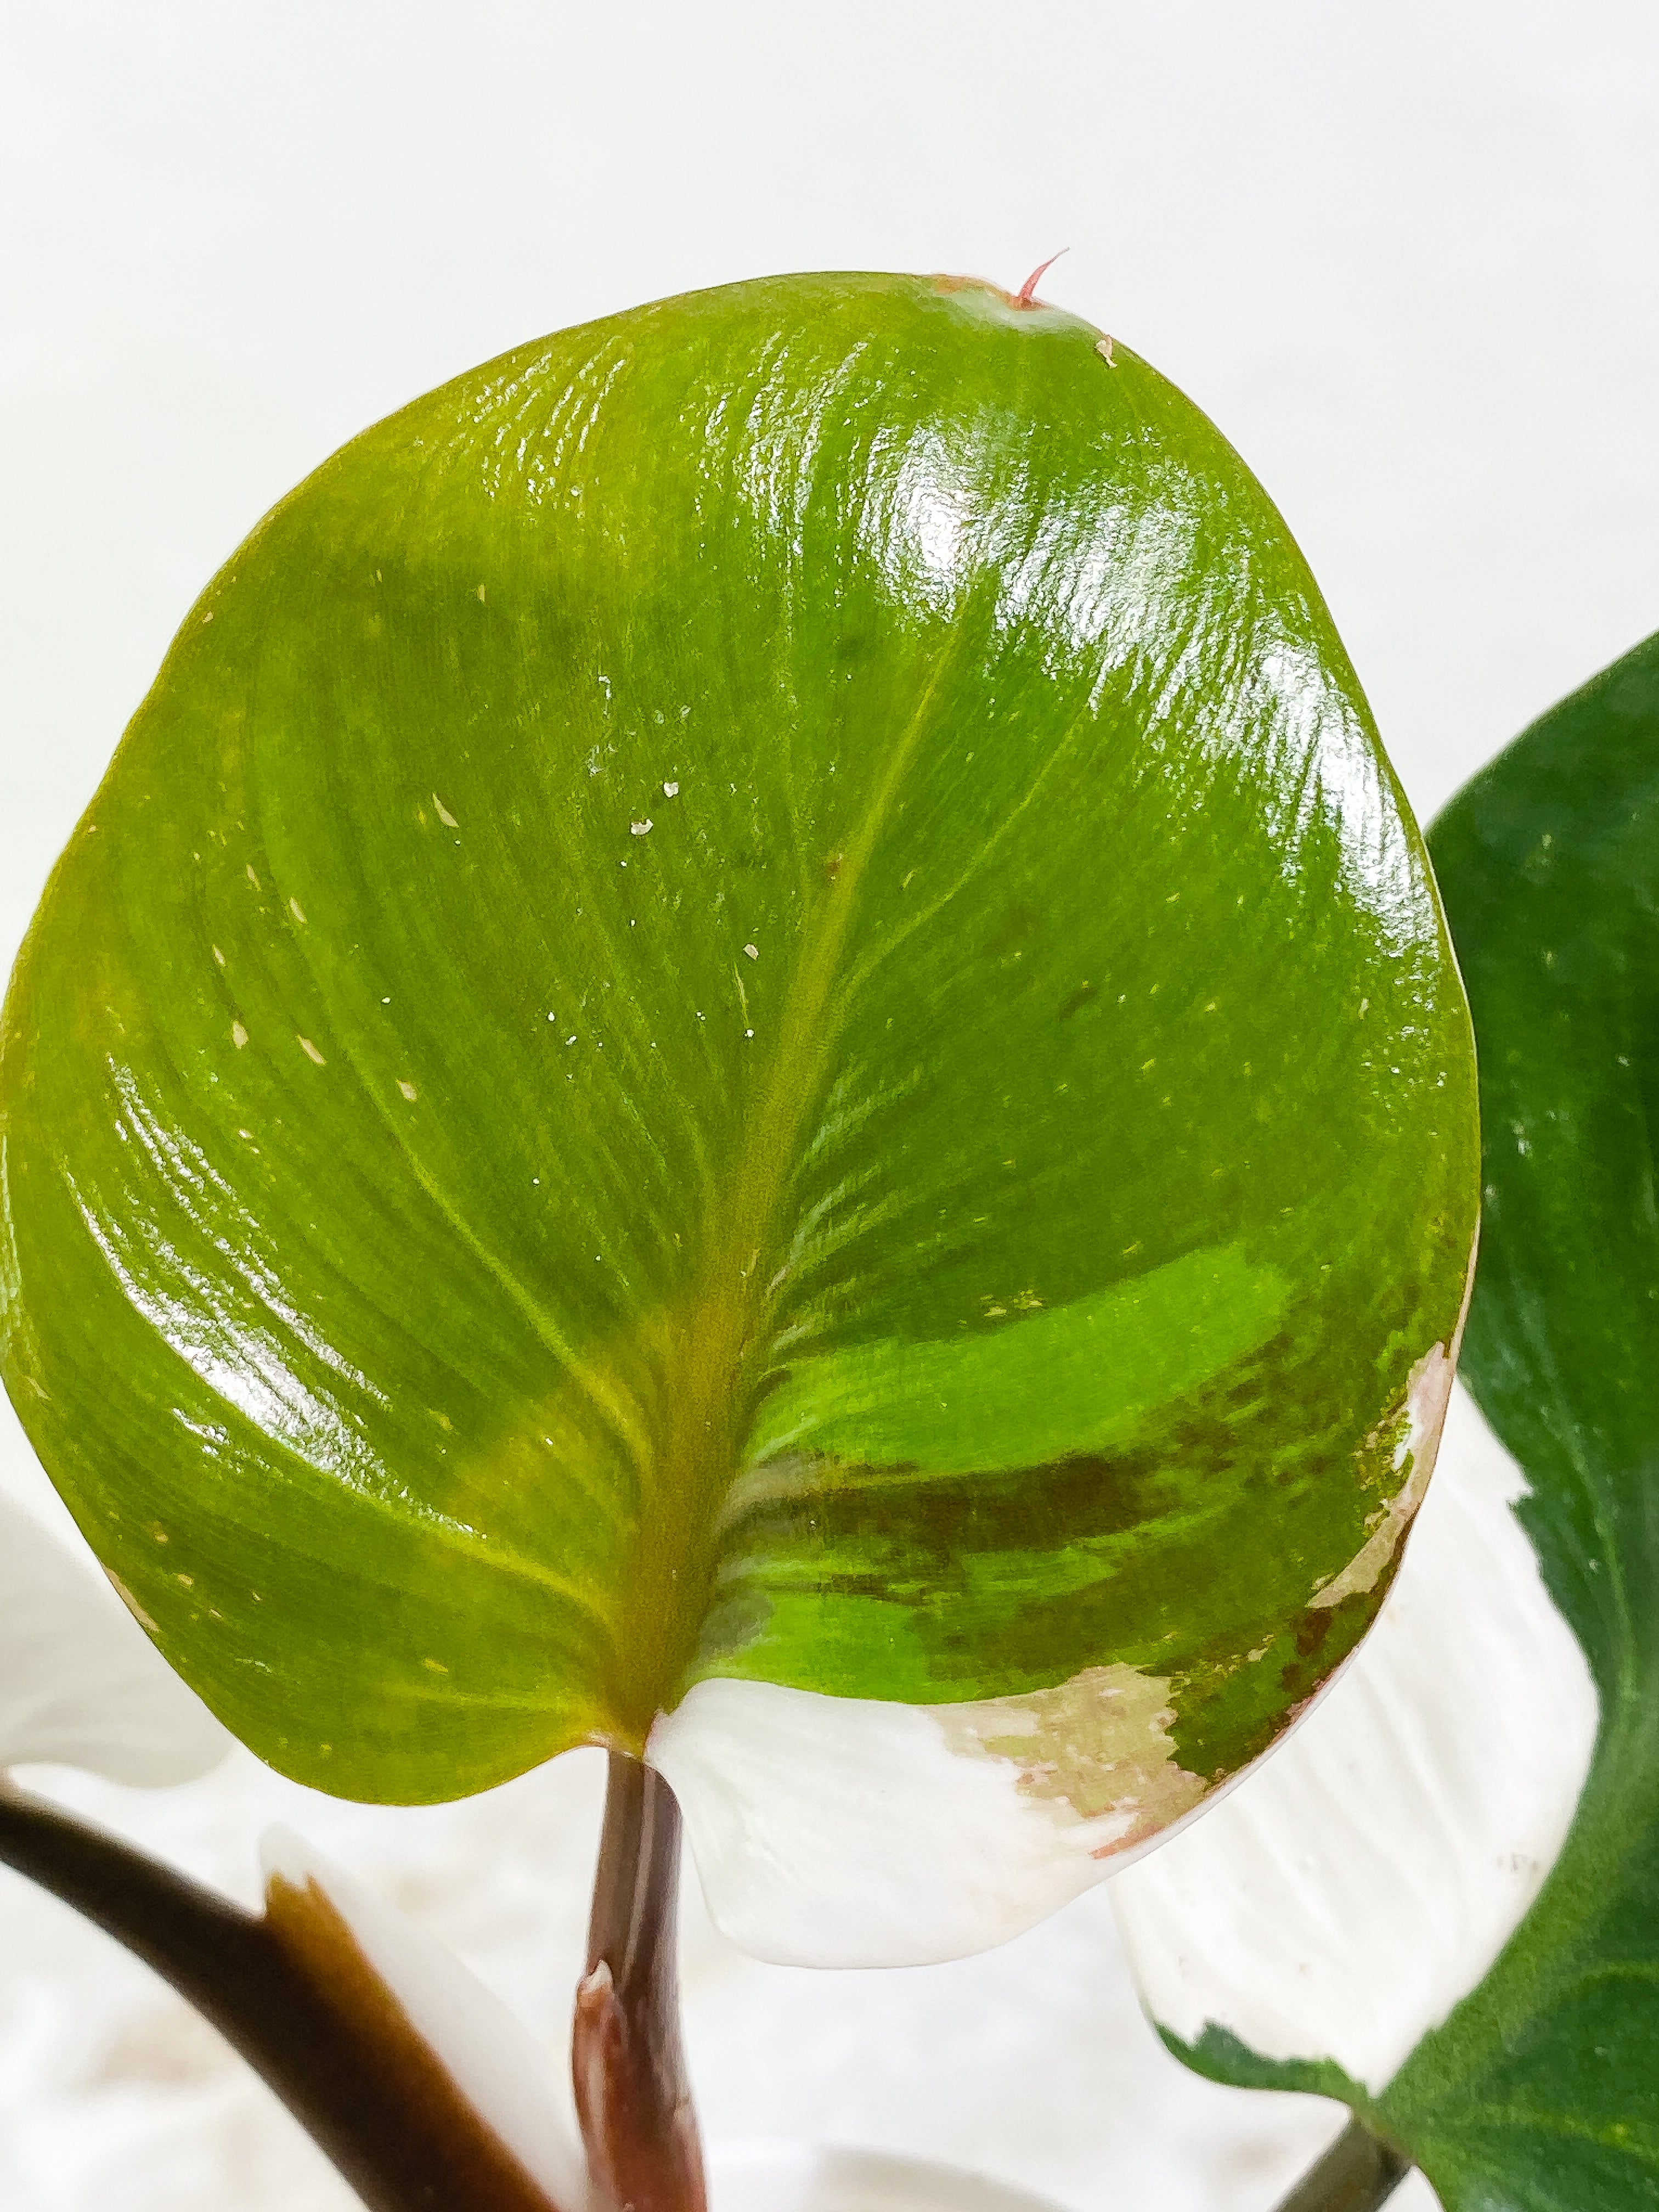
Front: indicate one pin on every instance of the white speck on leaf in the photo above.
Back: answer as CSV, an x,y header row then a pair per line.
x,y
444,814
641,829
310,1052
295,908
408,1090
671,791
753,951
237,1036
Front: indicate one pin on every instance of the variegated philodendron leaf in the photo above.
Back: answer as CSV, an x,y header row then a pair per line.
x,y
79,1684
751,1055
1440,1901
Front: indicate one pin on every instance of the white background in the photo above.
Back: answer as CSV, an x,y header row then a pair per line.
x,y
1408,256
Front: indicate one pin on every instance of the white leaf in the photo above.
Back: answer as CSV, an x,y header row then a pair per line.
x,y
80,1684
491,2058
1345,1897
852,1831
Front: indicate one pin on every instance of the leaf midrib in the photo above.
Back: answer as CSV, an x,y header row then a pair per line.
x,y
712,1367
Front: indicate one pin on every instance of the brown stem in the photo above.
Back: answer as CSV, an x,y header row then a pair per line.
x,y
1357,2173
644,2153
295,1995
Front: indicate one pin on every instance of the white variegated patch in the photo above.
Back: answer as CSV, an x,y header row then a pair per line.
x,y
849,1831
1365,1877
81,1685
1426,1401
488,2054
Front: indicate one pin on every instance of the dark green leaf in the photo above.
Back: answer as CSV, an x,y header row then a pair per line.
x,y
1542,2089
1530,2073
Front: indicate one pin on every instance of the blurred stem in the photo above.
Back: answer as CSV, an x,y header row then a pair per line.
x,y
633,2098
1357,2173
294,1996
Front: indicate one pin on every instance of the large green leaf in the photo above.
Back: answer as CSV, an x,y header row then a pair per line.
x,y
751,1004
1539,2091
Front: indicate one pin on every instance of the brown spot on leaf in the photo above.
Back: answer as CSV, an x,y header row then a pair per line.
x,y
1097,1746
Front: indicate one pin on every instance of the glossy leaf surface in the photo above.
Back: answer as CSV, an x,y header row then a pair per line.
x,y
1539,2090
751,1009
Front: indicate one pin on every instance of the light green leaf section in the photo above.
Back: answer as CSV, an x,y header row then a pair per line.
x,y
752,1001
999,1401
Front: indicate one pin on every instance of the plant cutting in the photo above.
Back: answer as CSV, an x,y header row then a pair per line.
x,y
749,1059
